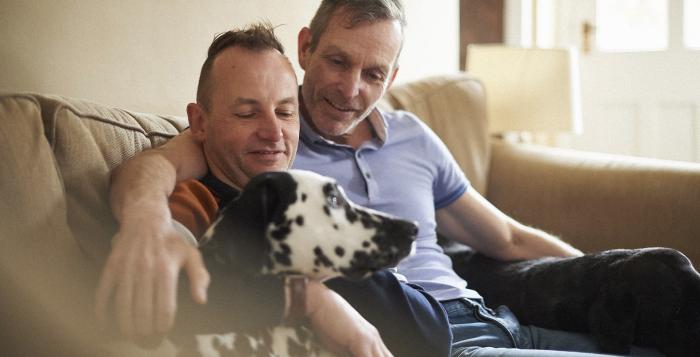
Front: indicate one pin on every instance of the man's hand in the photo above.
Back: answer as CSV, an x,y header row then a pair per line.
x,y
141,275
339,326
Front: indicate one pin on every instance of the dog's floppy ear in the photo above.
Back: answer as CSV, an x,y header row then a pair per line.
x,y
268,195
239,236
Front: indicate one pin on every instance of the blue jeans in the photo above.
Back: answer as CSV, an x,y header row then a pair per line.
x,y
480,331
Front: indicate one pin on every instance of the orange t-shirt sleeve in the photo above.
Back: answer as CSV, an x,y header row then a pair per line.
x,y
194,206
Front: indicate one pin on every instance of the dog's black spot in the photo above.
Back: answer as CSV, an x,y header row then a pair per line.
x,y
366,220
339,251
388,252
322,258
303,197
219,346
328,189
335,226
285,248
282,230
282,258
350,214
326,210
300,220
242,346
280,233
361,263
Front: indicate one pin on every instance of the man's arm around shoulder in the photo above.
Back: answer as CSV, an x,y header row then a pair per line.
x,y
140,275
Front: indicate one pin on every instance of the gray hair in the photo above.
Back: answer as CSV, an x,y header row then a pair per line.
x,y
358,11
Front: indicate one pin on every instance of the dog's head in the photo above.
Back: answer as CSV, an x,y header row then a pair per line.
x,y
301,222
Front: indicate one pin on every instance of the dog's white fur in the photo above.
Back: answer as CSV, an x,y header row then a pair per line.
x,y
326,229
319,231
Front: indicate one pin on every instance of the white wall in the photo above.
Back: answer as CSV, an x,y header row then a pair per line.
x,y
146,55
633,103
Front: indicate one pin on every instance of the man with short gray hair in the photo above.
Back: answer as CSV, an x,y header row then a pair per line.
x,y
391,161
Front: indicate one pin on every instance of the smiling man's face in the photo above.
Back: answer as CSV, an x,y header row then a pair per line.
x,y
252,123
348,72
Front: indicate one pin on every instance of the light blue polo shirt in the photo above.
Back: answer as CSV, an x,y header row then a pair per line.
x,y
405,170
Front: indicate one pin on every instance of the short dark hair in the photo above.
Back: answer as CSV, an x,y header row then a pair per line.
x,y
257,37
358,11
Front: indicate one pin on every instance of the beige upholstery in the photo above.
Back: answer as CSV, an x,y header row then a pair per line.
x,y
593,201
598,201
56,224
459,119
57,152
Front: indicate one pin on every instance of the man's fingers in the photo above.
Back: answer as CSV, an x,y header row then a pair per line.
x,y
143,306
198,276
123,305
166,301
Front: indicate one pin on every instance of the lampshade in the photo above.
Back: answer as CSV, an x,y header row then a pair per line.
x,y
528,89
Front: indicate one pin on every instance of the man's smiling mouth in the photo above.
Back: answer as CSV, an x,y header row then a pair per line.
x,y
346,110
268,152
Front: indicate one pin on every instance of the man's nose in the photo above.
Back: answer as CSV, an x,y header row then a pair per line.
x,y
269,128
351,83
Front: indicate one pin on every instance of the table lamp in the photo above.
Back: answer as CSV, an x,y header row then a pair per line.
x,y
528,90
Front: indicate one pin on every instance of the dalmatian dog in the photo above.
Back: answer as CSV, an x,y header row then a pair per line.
x,y
296,222
647,297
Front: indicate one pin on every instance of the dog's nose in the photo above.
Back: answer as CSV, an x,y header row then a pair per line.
x,y
415,229
404,228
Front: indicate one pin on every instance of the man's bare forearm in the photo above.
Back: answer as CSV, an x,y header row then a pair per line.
x,y
138,285
144,181
534,243
150,177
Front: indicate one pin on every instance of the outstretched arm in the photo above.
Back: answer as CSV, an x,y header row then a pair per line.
x,y
411,322
140,275
472,220
339,326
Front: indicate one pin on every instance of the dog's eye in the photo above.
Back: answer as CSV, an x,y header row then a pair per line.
x,y
334,200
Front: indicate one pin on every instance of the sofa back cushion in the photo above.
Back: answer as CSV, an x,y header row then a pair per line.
x,y
454,107
56,154
84,141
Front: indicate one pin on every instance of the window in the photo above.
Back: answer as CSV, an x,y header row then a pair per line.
x,y
632,25
691,23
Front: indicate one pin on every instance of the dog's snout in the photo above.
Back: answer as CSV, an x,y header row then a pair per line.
x,y
401,228
409,228
414,230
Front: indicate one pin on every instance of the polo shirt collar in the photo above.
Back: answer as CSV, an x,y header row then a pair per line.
x,y
375,118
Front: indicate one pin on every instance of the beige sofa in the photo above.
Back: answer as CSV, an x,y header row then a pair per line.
x,y
57,153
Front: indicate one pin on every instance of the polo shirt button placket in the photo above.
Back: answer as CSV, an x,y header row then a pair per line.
x,y
364,170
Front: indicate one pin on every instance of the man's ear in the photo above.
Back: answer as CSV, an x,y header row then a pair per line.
x,y
197,120
304,46
393,76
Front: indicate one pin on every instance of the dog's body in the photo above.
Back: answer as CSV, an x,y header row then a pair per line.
x,y
296,222
647,297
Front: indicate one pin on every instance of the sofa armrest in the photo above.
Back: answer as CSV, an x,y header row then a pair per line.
x,y
598,201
